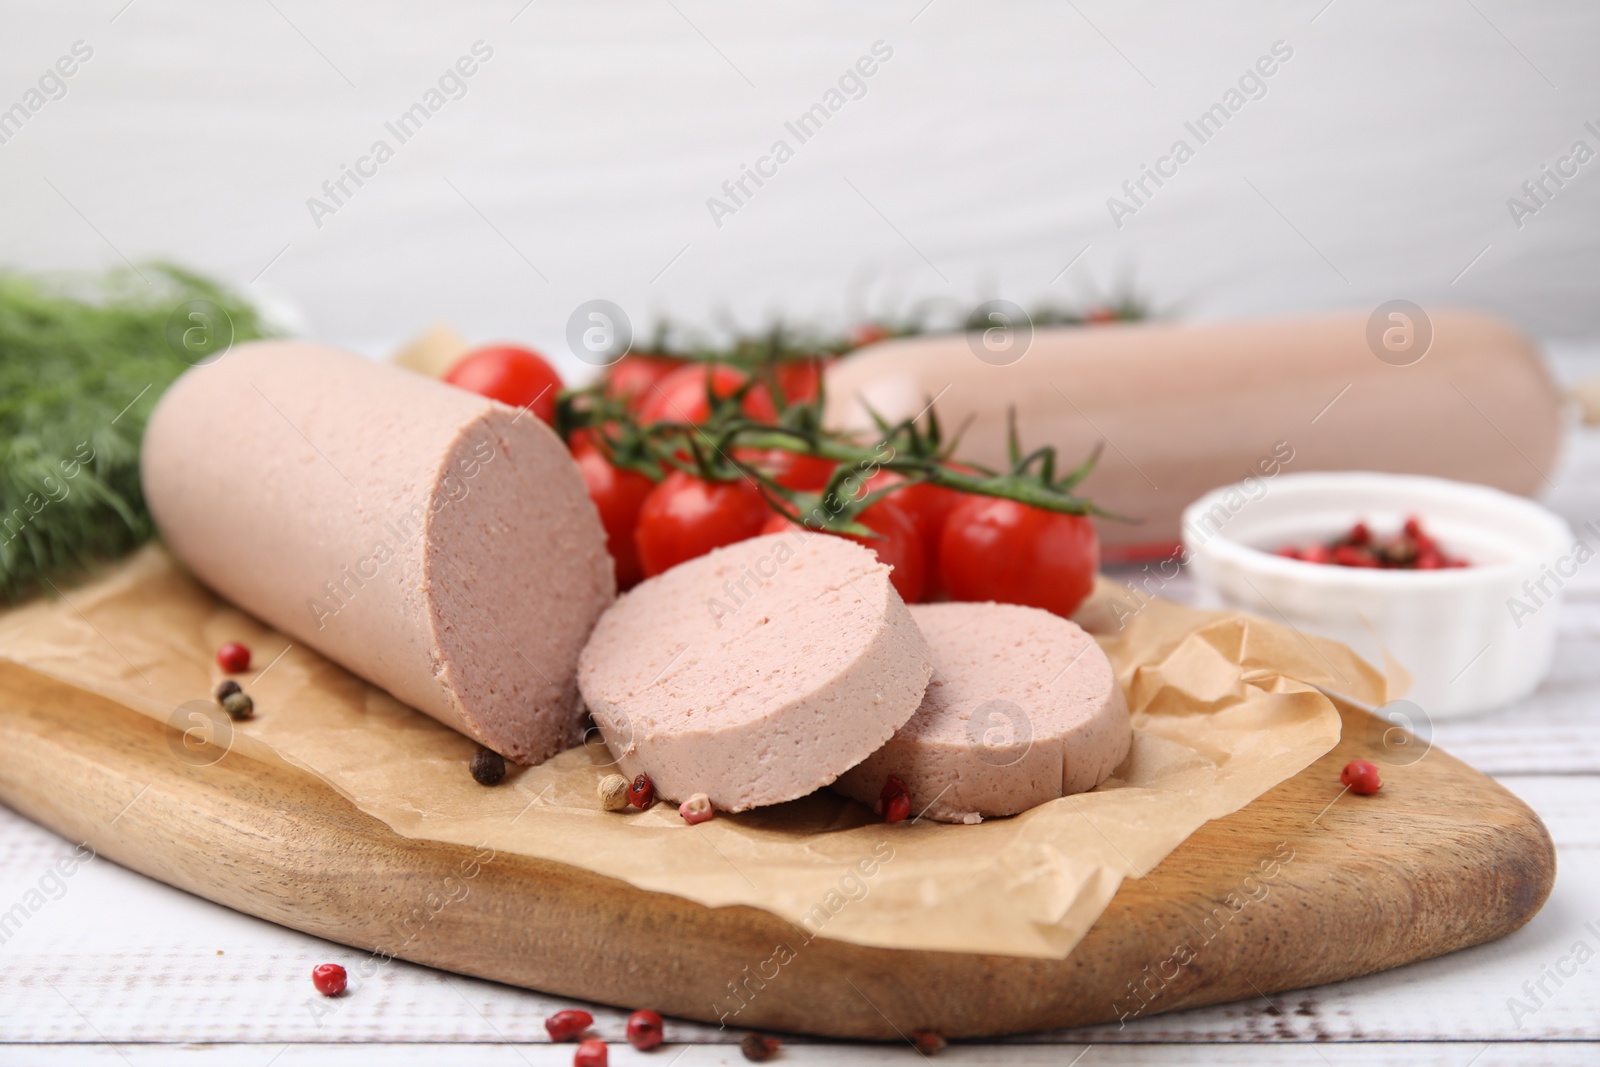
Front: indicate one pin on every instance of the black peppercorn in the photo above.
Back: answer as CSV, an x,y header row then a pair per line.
x,y
226,689
238,705
488,767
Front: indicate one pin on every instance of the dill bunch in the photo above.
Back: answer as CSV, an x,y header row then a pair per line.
x,y
81,366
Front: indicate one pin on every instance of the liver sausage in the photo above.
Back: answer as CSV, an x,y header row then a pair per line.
x,y
1188,407
1022,708
436,543
757,673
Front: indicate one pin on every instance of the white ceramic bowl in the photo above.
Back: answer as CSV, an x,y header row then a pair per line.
x,y
1474,638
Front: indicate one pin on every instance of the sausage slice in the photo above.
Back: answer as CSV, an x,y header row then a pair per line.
x,y
757,673
1022,708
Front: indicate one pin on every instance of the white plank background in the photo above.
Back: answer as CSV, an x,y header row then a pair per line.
x,y
122,969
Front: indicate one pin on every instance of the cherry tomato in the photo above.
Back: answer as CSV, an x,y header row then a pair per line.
x,y
681,395
589,436
792,470
581,438
800,380
632,377
510,374
684,517
897,544
995,549
618,494
927,506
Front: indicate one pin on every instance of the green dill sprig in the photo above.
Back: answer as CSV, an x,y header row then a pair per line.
x,y
81,366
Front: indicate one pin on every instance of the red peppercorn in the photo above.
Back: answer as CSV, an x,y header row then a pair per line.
x,y
329,978
1411,549
894,801
928,1042
1361,776
645,1030
1351,556
641,792
591,1053
233,658
758,1048
566,1025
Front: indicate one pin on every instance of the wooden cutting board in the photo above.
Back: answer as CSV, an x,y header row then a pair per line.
x,y
1303,886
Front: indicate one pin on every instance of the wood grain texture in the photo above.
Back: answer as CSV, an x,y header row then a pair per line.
x,y
1441,859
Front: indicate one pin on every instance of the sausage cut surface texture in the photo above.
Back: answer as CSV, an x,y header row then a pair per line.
x,y
757,673
438,544
1022,708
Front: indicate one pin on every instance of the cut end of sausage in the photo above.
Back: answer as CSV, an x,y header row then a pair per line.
x,y
513,585
1023,708
757,673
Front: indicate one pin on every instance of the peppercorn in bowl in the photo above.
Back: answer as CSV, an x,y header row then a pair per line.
x,y
1454,583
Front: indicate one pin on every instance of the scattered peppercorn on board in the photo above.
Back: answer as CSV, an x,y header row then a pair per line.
x,y
1306,885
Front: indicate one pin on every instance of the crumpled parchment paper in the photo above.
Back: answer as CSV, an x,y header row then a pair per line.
x,y
1225,706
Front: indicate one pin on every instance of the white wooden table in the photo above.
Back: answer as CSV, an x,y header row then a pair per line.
x,y
121,969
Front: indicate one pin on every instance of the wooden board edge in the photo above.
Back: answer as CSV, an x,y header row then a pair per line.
x,y
275,843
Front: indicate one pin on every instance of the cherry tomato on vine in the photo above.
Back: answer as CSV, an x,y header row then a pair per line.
x,y
927,506
792,470
618,494
586,436
632,378
510,374
897,544
800,380
1001,550
685,517
681,395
